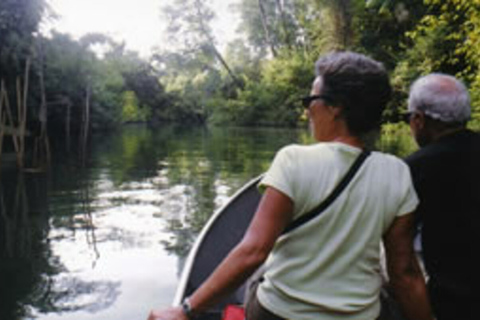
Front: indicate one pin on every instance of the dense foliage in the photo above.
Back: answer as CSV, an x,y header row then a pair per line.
x,y
280,40
66,76
255,79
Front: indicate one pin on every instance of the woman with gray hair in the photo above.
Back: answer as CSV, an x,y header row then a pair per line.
x,y
327,266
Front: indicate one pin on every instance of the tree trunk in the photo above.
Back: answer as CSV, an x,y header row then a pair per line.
x,y
268,39
343,23
42,141
286,33
42,115
214,49
225,65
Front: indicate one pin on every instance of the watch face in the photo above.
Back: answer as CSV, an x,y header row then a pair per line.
x,y
187,308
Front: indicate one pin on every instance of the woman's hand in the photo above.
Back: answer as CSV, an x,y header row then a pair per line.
x,y
272,216
168,314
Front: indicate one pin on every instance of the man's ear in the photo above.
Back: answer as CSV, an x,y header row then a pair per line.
x,y
418,119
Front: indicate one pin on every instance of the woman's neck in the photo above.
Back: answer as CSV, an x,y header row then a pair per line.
x,y
343,135
351,141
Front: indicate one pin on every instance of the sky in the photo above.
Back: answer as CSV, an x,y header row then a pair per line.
x,y
138,22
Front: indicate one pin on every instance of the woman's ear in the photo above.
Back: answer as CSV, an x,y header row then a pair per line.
x,y
336,111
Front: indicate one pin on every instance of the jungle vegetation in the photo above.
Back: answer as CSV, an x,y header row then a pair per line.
x,y
256,80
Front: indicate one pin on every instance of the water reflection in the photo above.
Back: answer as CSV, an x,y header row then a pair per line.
x,y
107,240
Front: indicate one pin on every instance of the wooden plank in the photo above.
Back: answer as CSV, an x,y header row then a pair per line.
x,y
12,131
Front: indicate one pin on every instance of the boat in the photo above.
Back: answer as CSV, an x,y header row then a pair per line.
x,y
221,234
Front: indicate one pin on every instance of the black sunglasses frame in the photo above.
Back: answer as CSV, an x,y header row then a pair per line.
x,y
307,101
407,116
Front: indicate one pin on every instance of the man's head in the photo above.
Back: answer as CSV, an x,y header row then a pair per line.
x,y
438,104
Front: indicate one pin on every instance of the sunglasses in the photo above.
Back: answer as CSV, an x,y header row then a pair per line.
x,y
407,116
307,101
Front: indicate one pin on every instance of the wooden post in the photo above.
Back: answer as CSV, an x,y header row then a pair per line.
x,y
2,123
42,144
8,225
87,113
22,114
9,117
19,135
25,94
85,125
67,125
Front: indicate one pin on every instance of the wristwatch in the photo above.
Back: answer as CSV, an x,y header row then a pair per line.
x,y
187,308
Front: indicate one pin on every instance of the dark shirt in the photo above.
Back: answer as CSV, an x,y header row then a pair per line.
x,y
446,175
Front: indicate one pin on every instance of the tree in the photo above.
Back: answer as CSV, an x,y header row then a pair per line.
x,y
266,28
150,93
453,49
19,22
189,23
410,37
443,40
342,13
277,21
384,26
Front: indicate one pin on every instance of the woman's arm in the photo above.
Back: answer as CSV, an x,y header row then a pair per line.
x,y
272,216
406,277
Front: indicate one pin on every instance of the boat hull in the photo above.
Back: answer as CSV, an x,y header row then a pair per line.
x,y
221,234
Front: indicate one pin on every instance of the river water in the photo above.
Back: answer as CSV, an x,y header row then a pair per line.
x,y
104,235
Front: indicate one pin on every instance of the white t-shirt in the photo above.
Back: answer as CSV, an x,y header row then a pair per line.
x,y
329,268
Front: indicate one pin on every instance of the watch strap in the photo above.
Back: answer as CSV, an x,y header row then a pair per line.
x,y
187,308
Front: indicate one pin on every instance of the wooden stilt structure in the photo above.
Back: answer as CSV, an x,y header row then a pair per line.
x,y
7,125
17,127
18,130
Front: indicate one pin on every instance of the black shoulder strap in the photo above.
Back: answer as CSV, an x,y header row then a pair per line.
x,y
335,193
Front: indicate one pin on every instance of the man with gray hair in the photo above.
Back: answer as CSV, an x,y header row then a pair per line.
x,y
446,176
